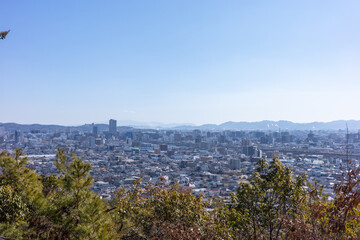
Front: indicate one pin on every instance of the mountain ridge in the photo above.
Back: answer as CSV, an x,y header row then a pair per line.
x,y
229,125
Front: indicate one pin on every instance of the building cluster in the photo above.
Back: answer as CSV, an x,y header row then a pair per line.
x,y
212,163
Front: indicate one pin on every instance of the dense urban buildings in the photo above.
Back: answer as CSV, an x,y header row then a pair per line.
x,y
209,162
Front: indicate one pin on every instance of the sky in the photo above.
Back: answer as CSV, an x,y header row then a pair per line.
x,y
74,62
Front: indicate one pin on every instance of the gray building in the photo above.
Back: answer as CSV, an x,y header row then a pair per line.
x,y
95,129
235,164
112,126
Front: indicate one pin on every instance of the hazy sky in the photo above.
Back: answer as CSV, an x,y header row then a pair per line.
x,y
74,62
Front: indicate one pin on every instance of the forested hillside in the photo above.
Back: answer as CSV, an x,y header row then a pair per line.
x,y
273,205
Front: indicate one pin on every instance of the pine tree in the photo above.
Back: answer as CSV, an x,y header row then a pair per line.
x,y
259,207
75,210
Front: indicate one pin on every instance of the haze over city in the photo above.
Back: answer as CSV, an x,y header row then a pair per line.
x,y
75,62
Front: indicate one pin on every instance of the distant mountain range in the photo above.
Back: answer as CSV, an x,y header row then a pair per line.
x,y
354,125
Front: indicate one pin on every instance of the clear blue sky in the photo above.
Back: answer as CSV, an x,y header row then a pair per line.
x,y
75,62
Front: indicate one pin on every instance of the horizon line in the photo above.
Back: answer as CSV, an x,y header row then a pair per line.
x,y
158,124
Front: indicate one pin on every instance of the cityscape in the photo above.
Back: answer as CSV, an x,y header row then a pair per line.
x,y
209,162
179,120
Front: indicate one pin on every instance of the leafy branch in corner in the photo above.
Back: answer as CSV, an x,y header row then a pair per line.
x,y
3,34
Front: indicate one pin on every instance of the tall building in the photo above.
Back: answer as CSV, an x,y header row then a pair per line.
x,y
18,136
112,126
95,129
235,164
91,141
163,147
2,131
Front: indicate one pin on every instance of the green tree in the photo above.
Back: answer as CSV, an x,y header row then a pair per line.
x,y
23,180
12,208
74,211
23,186
51,207
3,34
259,208
162,212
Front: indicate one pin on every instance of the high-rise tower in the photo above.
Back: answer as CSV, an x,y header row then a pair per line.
x,y
112,126
95,129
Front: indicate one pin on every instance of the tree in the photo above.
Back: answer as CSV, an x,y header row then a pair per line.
x,y
22,193
3,34
73,210
51,207
162,212
12,208
24,181
258,208
322,219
